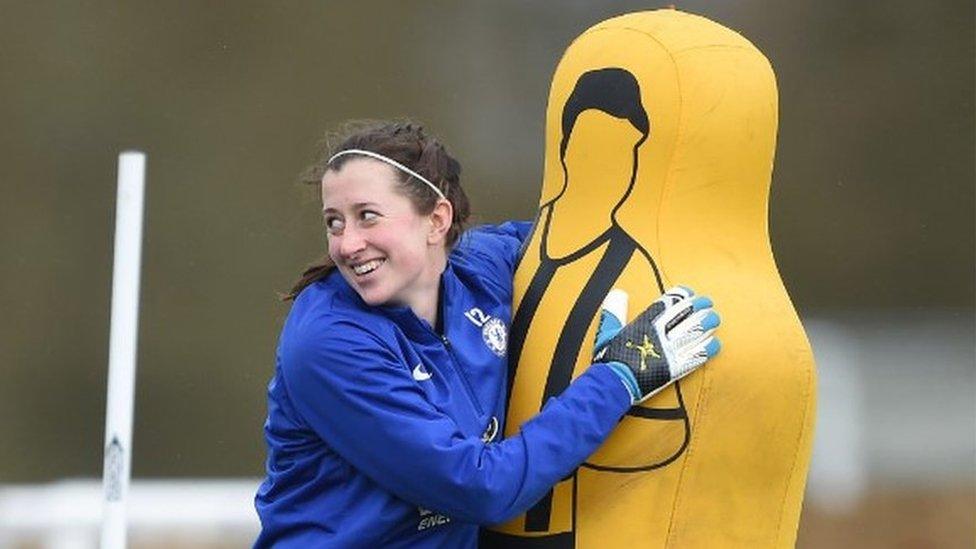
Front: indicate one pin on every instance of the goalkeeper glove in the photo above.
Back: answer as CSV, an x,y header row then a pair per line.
x,y
669,340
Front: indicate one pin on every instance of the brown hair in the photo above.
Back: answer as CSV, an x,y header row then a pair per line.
x,y
408,144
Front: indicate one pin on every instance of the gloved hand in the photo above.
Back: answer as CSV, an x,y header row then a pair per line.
x,y
669,340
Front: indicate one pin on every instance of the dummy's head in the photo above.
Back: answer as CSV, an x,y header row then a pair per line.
x,y
612,91
603,123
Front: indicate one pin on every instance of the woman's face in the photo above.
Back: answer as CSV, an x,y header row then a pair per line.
x,y
384,249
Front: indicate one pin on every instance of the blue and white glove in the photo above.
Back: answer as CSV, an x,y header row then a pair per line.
x,y
669,340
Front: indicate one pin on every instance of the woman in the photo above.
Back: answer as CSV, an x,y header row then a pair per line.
x,y
383,421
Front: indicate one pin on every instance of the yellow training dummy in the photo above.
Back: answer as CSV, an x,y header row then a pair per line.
x,y
660,133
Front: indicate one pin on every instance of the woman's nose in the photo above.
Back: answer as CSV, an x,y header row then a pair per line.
x,y
351,242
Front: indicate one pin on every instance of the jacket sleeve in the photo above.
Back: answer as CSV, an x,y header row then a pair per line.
x,y
496,249
355,393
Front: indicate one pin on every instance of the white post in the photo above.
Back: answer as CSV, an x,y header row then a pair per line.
x,y
122,346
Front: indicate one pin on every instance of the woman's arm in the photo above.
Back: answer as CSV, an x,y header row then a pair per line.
x,y
362,400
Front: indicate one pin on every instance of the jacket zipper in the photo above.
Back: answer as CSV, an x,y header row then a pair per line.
x,y
460,374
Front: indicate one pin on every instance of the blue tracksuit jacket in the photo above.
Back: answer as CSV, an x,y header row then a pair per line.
x,y
383,433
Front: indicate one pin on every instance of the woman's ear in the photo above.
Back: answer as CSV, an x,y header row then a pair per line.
x,y
440,222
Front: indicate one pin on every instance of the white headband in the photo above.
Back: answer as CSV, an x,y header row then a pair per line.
x,y
391,162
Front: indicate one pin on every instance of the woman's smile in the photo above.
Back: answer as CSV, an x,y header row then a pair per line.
x,y
367,267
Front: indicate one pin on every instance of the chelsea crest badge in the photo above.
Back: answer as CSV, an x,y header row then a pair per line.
x,y
496,336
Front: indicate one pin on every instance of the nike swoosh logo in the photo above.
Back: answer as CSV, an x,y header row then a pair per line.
x,y
420,373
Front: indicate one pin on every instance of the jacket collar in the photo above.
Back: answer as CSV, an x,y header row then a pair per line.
x,y
412,326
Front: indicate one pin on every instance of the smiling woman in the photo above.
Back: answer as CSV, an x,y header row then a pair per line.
x,y
383,248
386,409
389,147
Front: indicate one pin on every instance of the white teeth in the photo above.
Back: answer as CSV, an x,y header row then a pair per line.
x,y
368,267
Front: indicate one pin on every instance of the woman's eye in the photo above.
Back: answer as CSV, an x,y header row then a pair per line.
x,y
333,225
369,216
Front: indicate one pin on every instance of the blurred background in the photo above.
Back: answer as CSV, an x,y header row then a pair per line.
x,y
871,216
